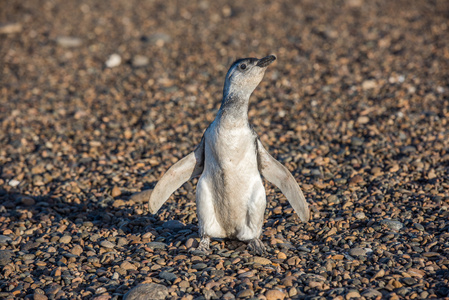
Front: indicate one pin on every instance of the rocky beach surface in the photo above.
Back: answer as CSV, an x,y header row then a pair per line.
x,y
99,98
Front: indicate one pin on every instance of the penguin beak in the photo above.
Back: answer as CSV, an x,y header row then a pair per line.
x,y
264,62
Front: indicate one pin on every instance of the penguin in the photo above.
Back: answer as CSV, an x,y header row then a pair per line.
x,y
229,161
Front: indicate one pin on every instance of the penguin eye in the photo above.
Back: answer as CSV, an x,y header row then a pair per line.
x,y
243,66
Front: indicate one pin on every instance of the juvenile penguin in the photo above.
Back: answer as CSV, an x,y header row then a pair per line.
x,y
230,160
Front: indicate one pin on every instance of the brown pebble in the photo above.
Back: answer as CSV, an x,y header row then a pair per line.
x,y
116,192
37,296
275,295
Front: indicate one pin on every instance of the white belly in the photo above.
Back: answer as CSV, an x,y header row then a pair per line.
x,y
230,195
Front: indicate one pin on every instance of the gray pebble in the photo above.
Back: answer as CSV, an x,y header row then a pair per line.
x,y
357,252
147,291
173,225
371,294
5,257
156,245
4,239
107,244
199,266
392,224
168,276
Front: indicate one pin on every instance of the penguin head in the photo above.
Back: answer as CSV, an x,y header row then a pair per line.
x,y
245,75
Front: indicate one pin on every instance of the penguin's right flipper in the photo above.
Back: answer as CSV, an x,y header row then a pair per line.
x,y
187,168
280,176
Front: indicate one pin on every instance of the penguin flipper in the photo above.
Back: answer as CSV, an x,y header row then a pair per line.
x,y
279,175
187,168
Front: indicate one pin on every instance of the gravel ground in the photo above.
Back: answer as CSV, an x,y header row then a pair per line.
x,y
99,98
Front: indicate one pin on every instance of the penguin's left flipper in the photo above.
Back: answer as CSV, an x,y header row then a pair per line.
x,y
279,175
187,168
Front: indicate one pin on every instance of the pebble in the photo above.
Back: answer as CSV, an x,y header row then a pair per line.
x,y
27,201
371,294
392,224
66,239
5,257
168,276
352,294
4,239
116,192
114,61
69,41
357,252
156,245
260,260
140,61
199,266
360,215
10,28
107,244
147,291
275,295
126,265
38,296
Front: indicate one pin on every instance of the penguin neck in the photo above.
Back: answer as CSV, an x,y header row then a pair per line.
x,y
234,109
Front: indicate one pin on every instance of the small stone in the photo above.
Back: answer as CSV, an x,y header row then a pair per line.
x,y
419,226
409,281
352,294
113,61
38,296
228,296
416,273
5,257
140,61
191,243
126,265
369,84
116,191
156,245
147,291
107,244
355,141
27,201
14,182
141,197
360,215
173,225
68,41
199,266
281,255
392,224
4,239
357,252
260,260
65,239
245,293
76,250
288,281
371,294
10,28
275,295
53,289
379,274
168,276
362,120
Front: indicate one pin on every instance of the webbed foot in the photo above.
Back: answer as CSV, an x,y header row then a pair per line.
x,y
256,246
204,245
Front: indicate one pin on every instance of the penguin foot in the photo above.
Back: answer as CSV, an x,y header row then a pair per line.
x,y
256,246
204,245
